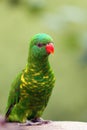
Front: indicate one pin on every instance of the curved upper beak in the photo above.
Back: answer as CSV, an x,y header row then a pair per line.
x,y
50,48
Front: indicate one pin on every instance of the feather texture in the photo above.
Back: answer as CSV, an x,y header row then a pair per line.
x,y
32,88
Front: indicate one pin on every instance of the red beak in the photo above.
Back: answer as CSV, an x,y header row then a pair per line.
x,y
50,48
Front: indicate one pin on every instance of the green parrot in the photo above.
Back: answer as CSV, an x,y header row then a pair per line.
x,y
31,89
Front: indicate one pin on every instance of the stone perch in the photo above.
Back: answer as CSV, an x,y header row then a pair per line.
x,y
54,125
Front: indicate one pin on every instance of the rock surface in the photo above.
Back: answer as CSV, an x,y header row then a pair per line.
x,y
54,125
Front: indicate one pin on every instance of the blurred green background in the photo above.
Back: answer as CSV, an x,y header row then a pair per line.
x,y
66,22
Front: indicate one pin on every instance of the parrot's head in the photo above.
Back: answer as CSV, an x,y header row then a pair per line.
x,y
41,46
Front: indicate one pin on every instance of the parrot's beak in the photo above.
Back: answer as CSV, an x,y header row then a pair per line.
x,y
50,48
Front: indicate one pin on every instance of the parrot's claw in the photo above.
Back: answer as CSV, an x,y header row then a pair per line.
x,y
38,121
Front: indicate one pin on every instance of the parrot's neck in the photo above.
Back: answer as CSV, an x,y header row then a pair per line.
x,y
38,65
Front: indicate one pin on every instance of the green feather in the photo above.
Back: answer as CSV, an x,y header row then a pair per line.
x,y
32,88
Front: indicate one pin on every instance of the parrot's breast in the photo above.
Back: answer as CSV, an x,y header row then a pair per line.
x,y
36,87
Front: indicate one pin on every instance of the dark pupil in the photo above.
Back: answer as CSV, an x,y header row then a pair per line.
x,y
40,45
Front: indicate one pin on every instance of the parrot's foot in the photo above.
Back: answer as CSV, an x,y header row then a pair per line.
x,y
36,121
40,121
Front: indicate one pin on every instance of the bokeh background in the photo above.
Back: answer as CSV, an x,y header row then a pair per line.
x,y
66,22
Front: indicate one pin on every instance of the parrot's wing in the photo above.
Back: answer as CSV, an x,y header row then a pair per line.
x,y
13,95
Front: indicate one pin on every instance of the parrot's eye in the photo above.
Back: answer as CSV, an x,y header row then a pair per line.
x,y
40,45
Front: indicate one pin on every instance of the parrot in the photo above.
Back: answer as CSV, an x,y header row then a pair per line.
x,y
32,88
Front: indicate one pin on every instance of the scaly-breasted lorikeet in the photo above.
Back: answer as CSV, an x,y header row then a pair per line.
x,y
31,89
